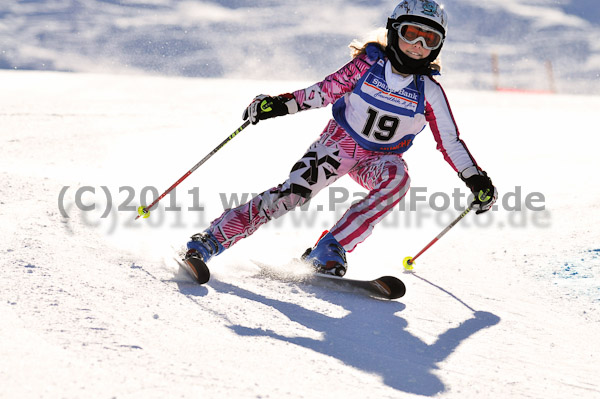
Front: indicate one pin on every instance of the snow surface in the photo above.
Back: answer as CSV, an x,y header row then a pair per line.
x,y
268,39
505,305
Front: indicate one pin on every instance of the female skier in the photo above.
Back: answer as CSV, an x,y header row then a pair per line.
x,y
381,100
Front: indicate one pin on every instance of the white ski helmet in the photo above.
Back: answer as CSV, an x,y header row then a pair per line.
x,y
426,12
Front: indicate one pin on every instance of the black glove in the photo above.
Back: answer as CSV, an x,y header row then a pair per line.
x,y
482,188
265,107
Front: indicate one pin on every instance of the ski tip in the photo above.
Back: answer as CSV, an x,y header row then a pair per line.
x,y
198,269
395,287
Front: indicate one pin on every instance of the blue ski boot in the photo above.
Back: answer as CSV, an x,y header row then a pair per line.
x,y
204,245
328,256
201,248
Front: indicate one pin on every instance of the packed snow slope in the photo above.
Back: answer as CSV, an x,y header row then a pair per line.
x,y
297,39
506,305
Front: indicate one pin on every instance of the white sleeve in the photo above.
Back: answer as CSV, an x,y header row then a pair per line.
x,y
442,124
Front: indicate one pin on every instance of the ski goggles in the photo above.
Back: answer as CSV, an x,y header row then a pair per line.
x,y
412,32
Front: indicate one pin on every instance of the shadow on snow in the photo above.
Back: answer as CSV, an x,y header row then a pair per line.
x,y
372,337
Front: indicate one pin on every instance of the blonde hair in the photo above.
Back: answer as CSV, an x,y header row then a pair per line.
x,y
378,37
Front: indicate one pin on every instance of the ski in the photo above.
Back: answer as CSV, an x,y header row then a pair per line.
x,y
385,287
195,268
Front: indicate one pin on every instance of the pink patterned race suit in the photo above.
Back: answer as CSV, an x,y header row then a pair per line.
x,y
377,115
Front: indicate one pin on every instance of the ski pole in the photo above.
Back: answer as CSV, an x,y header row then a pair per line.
x,y
409,261
144,211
